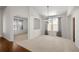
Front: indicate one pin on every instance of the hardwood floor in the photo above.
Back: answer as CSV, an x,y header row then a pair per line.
x,y
7,46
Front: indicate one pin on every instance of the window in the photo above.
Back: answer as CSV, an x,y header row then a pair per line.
x,y
15,25
55,24
49,24
49,27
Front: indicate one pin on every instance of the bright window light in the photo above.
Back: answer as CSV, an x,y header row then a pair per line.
x,y
55,24
49,27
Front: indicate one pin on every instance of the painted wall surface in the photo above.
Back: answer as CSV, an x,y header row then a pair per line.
x,y
1,28
43,27
33,33
66,26
76,15
8,17
70,27
7,24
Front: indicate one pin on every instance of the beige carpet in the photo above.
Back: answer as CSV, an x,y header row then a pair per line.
x,y
49,44
21,37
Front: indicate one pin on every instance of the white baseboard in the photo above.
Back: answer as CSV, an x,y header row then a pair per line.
x,y
7,38
77,45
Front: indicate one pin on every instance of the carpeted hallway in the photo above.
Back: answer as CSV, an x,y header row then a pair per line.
x,y
46,43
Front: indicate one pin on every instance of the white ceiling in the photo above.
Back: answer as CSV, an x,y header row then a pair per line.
x,y
50,11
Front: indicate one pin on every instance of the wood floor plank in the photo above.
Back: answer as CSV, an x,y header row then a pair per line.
x,y
7,46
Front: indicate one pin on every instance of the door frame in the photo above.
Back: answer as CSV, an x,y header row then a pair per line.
x,y
73,29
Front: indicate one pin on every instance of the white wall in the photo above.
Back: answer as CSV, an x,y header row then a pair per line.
x,y
33,33
69,27
43,27
1,28
63,26
66,26
76,15
8,17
